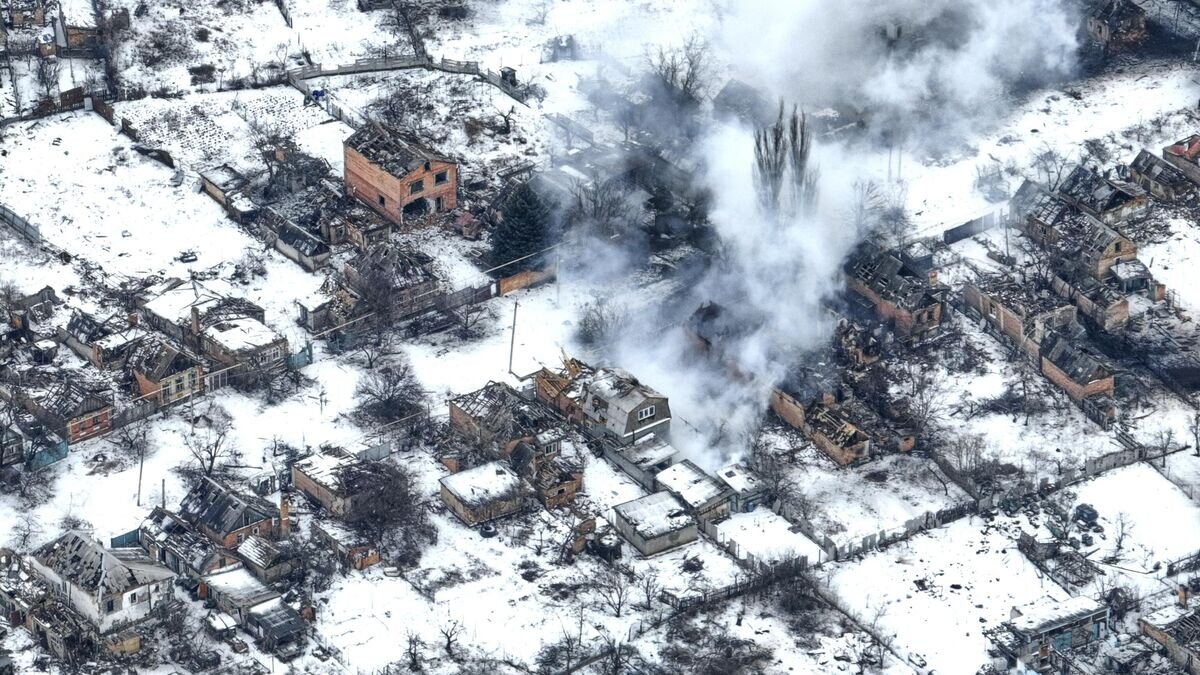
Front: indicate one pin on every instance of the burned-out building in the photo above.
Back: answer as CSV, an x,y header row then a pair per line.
x,y
71,410
398,177
643,459
499,417
1077,371
112,589
259,610
1117,25
393,280
1034,631
23,13
1160,178
105,343
830,430
229,188
605,402
902,294
1109,201
226,516
165,373
174,543
1021,312
1183,155
1177,629
346,485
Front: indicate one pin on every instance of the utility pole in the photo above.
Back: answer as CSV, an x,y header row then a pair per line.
x,y
512,345
141,465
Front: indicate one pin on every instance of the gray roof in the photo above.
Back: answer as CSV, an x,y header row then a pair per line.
x,y
83,562
217,507
655,515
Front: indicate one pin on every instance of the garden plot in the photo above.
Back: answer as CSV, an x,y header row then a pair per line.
x,y
1147,521
847,504
180,46
336,32
204,130
936,593
496,588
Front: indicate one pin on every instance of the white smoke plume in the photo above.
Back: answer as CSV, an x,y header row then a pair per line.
x,y
926,70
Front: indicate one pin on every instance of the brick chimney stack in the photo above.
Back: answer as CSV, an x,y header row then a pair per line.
x,y
1183,596
285,524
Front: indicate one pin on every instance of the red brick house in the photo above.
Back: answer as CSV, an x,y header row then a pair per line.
x,y
396,177
227,517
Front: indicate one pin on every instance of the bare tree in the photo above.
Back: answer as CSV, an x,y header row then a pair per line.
x,y
376,345
391,393
1051,166
866,205
1121,531
926,402
26,531
1194,427
650,587
414,645
684,72
47,73
613,587
600,324
451,630
600,203
781,156
506,120
212,443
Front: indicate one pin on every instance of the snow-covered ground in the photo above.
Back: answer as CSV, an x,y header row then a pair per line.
x,y
935,594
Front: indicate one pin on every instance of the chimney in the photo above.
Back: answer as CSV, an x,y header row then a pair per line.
x,y
133,319
195,320
285,525
1183,596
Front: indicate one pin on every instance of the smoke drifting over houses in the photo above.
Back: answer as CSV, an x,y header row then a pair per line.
x,y
917,73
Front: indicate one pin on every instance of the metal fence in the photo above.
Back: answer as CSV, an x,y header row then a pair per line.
x,y
21,226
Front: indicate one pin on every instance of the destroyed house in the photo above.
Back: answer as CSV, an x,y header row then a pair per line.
x,y
112,589
556,481
484,493
616,405
1034,631
12,446
343,484
829,429
705,497
259,610
1104,302
1073,369
227,329
299,243
1021,313
292,170
397,177
229,188
815,380
349,546
1117,24
72,411
1183,156
225,516
1158,177
655,523
498,416
164,373
105,344
1177,629
400,277
169,539
1110,201
264,559
643,459
905,298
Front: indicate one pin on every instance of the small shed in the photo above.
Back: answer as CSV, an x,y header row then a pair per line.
x,y
484,493
655,523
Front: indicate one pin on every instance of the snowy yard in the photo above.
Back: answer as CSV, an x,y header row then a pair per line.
x,y
935,594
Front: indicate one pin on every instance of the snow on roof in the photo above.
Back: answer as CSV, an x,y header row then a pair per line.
x,y
654,515
258,551
1167,615
483,484
277,618
240,587
120,338
767,537
690,484
648,451
175,304
325,468
1045,613
77,13
77,558
242,333
621,390
740,479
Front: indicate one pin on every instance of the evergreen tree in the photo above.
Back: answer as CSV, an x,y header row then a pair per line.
x,y
523,230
